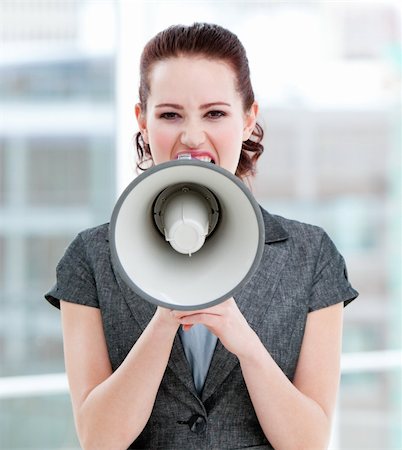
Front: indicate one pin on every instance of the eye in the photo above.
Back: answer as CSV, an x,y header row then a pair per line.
x,y
169,115
216,114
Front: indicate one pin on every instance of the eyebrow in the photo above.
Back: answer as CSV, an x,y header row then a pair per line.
x,y
205,106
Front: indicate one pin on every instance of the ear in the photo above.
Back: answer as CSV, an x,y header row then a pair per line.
x,y
250,121
142,122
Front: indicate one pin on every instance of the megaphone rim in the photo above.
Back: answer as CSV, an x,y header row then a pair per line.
x,y
163,166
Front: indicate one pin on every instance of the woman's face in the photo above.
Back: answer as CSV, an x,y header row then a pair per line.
x,y
194,108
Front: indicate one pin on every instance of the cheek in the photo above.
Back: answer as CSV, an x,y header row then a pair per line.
x,y
229,148
232,132
230,140
161,141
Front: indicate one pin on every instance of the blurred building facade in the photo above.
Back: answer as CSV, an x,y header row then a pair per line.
x,y
57,152
327,78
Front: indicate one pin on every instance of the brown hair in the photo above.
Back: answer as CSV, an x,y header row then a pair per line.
x,y
213,42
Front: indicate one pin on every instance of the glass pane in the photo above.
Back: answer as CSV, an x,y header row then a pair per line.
x,y
48,423
59,171
42,256
2,263
57,77
67,80
30,332
2,170
370,416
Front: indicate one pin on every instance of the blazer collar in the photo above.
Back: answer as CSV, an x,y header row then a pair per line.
x,y
274,232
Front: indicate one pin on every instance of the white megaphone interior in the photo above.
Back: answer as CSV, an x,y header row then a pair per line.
x,y
180,280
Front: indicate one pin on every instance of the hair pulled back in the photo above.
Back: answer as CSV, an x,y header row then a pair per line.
x,y
212,42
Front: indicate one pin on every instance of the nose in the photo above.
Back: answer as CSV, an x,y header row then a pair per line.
x,y
192,136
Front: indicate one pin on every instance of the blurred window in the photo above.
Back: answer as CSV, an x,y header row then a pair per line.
x,y
2,170
76,79
57,177
59,171
42,255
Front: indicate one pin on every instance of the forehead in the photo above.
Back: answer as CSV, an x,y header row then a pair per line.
x,y
194,77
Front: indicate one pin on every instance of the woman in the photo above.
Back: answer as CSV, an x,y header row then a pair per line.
x,y
260,370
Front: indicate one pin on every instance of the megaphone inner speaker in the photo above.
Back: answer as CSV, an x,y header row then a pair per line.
x,y
186,206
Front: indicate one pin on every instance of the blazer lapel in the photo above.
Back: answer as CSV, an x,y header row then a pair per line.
x,y
179,365
253,300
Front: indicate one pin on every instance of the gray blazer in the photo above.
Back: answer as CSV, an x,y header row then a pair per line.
x,y
301,271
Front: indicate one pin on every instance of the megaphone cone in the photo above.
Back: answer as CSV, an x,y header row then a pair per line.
x,y
186,235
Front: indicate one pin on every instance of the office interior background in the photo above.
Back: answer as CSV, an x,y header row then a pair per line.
x,y
327,75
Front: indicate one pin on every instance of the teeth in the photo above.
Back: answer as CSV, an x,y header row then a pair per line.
x,y
204,158
184,156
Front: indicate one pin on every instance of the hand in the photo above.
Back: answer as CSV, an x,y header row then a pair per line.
x,y
163,318
225,321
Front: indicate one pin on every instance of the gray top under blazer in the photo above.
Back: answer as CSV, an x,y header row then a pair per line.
x,y
301,271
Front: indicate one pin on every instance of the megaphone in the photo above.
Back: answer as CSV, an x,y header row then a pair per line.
x,y
186,234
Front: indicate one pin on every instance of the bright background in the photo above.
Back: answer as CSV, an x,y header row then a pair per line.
x,y
327,75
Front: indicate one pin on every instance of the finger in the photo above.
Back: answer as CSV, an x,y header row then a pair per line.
x,y
209,320
189,314
216,309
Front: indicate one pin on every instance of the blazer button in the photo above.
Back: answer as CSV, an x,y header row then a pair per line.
x,y
197,424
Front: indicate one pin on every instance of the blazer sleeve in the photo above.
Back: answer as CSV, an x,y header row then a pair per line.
x,y
330,282
75,281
